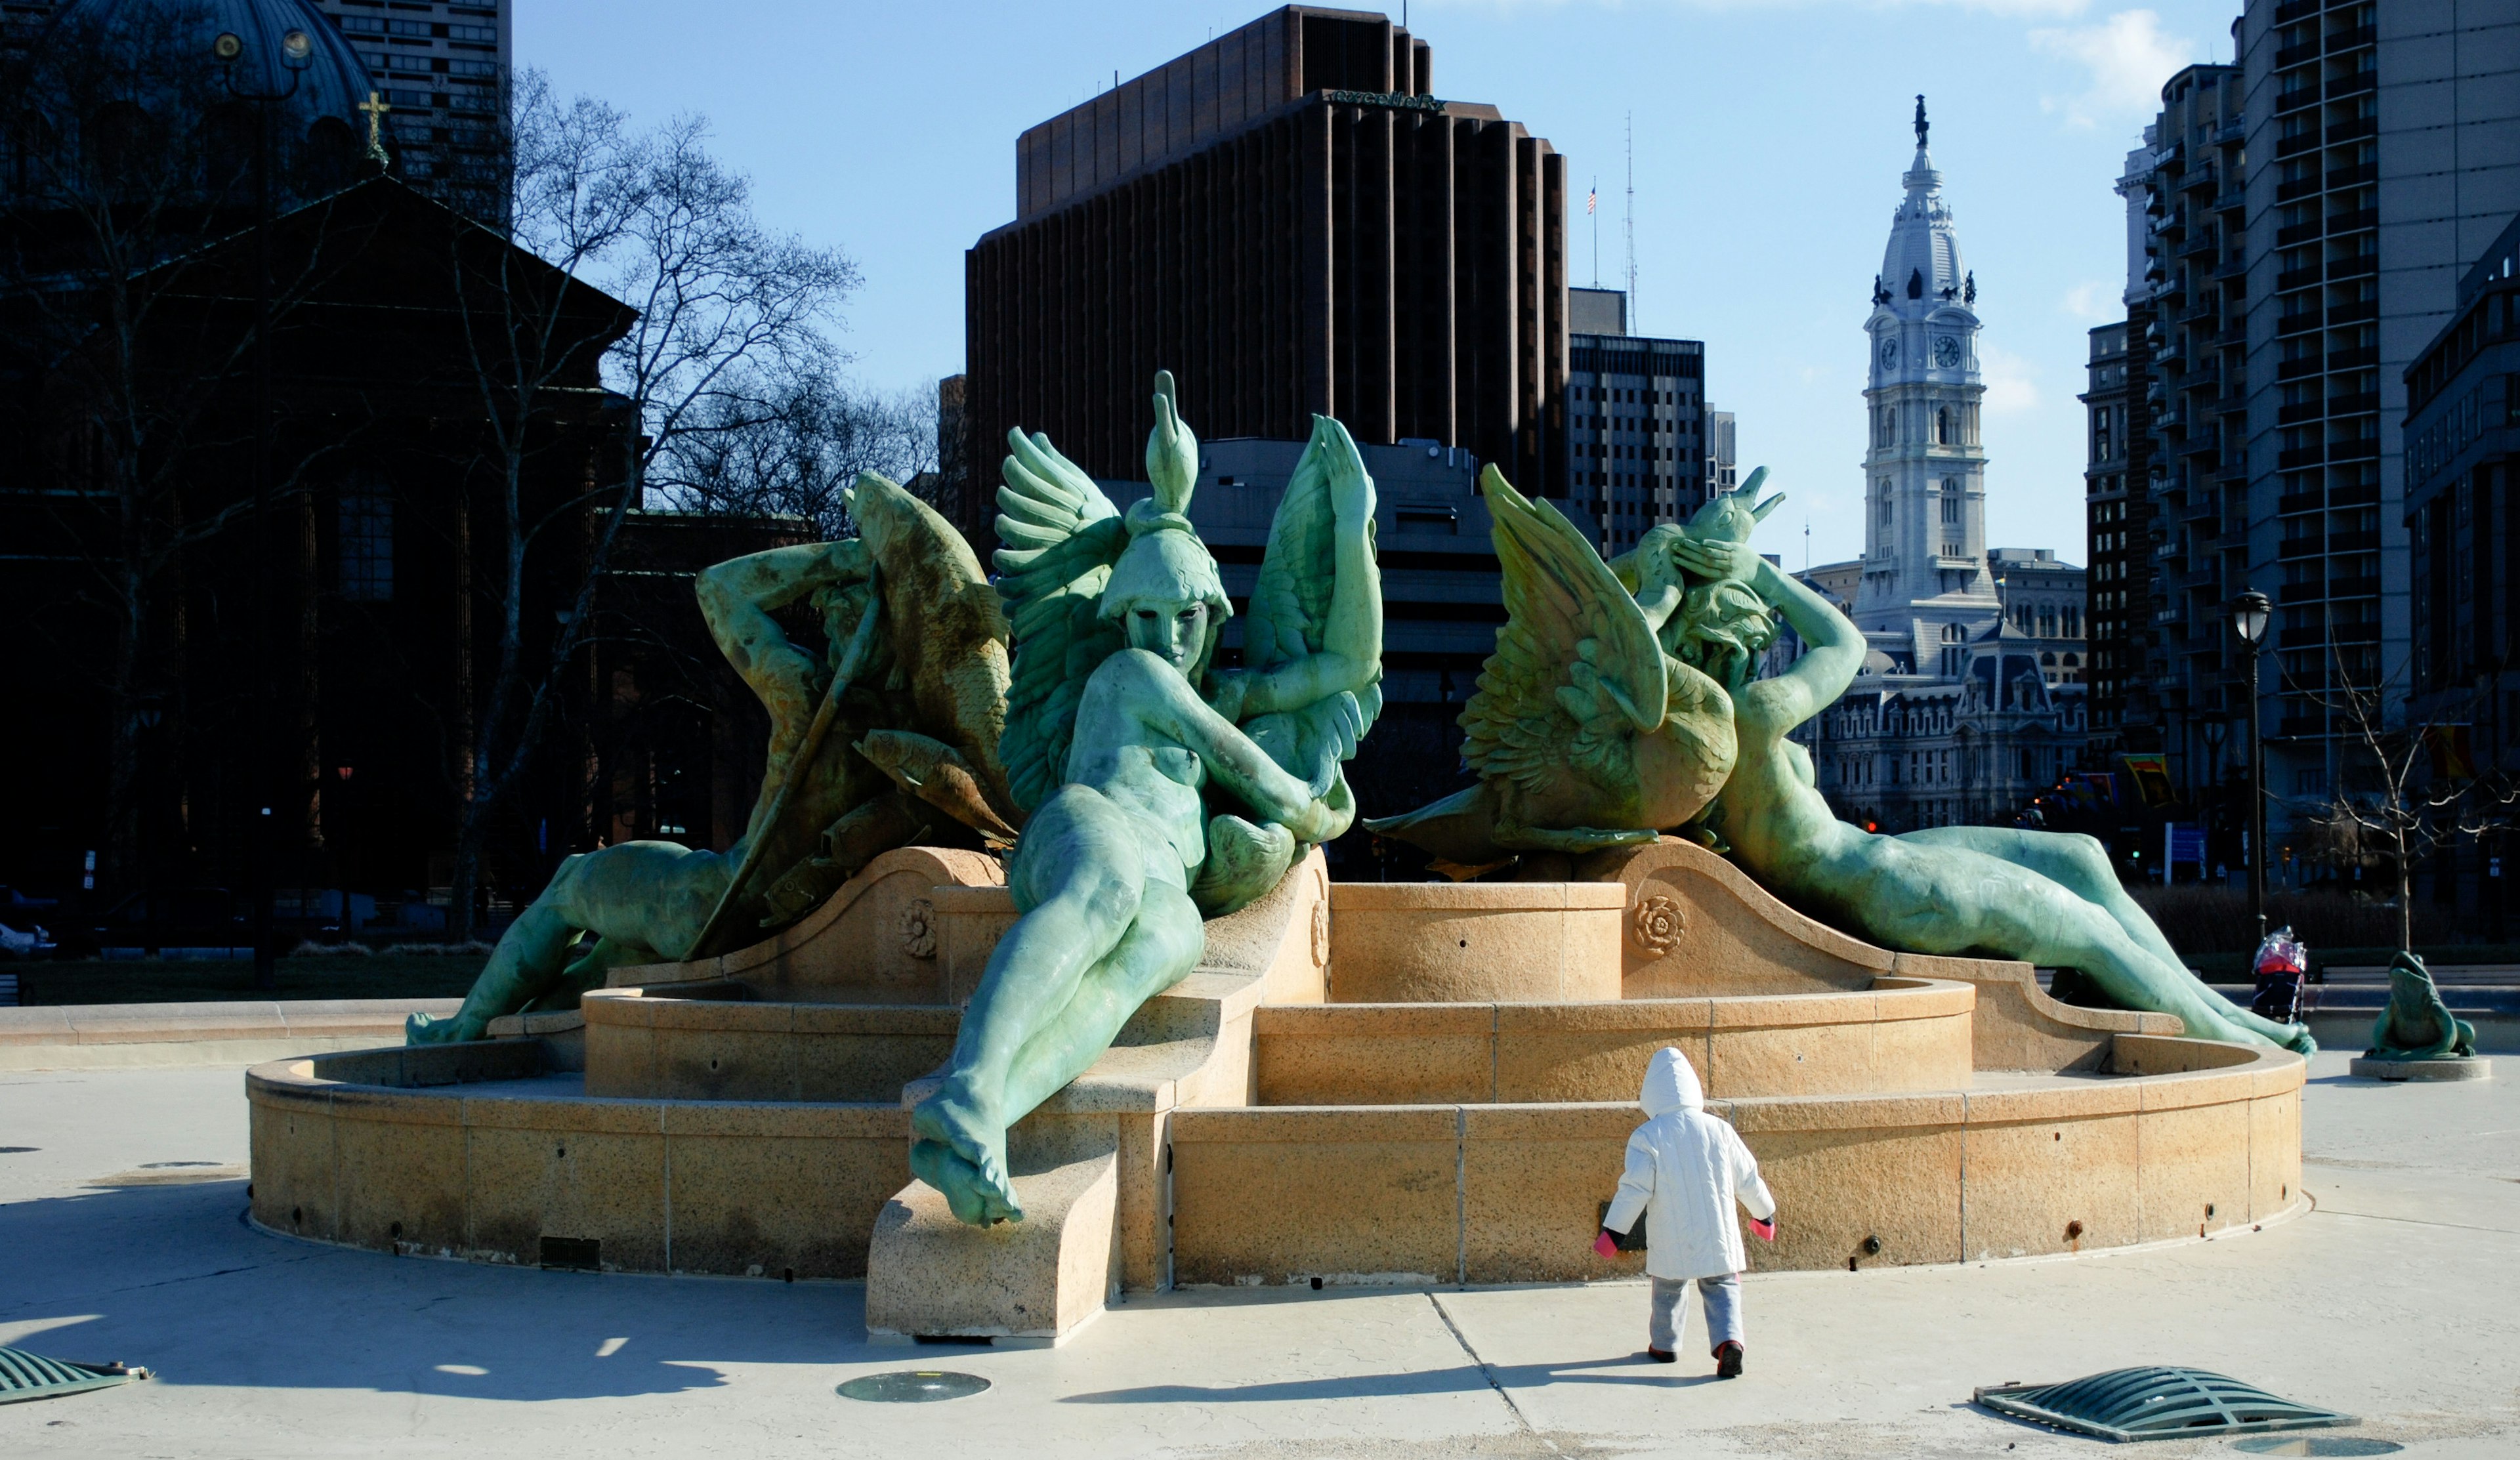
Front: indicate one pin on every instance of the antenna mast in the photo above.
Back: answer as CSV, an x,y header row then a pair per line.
x,y
1633,326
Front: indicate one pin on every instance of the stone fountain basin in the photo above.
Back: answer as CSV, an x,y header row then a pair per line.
x,y
475,1151
722,1041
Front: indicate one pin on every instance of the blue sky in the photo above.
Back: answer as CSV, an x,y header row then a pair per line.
x,y
1768,142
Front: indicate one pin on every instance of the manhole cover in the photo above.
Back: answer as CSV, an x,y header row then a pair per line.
x,y
2155,1402
2314,1444
912,1387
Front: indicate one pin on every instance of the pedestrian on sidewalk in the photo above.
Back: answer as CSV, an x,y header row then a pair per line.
x,y
1685,1171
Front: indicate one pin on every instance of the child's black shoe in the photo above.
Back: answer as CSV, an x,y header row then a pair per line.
x,y
1728,1360
1662,1355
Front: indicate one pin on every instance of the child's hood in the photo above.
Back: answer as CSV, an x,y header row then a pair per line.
x,y
1670,1085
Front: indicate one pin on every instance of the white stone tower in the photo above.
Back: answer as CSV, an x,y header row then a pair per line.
x,y
1925,590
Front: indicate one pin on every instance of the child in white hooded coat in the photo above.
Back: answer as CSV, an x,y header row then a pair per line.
x,y
1685,1169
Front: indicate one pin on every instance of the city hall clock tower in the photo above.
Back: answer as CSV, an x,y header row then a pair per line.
x,y
1925,589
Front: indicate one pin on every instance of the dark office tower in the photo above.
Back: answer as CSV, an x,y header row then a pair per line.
x,y
1636,428
2119,515
1288,220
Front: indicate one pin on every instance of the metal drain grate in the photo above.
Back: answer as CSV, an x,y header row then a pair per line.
x,y
2155,1403
912,1387
31,1376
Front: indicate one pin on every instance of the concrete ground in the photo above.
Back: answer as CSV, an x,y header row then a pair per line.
x,y
2397,1300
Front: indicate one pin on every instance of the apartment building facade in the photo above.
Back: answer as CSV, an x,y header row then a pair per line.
x,y
2310,211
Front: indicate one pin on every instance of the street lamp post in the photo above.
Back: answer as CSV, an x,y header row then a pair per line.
x,y
296,53
2250,613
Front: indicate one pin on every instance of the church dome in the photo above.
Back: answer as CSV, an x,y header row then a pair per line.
x,y
143,74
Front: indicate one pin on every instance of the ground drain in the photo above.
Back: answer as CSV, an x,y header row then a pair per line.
x,y
2155,1403
31,1376
2316,1444
912,1387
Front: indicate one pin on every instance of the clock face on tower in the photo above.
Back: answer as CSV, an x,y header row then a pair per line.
x,y
1889,351
1947,351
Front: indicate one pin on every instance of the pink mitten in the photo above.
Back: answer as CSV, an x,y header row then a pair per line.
x,y
1766,1230
1606,1247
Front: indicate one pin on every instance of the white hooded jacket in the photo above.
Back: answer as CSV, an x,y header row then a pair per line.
x,y
1686,1169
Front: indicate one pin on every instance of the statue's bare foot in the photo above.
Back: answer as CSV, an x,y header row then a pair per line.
x,y
961,1153
421,1028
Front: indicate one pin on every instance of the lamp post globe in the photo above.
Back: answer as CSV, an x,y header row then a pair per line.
x,y
2250,613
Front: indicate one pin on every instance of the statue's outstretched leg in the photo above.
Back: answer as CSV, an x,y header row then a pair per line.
x,y
645,895
1978,901
2081,865
1160,947
1078,877
2077,862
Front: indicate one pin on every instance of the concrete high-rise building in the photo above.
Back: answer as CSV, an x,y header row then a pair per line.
x,y
2462,463
2313,209
2117,522
443,67
1723,453
1291,221
1635,423
2185,465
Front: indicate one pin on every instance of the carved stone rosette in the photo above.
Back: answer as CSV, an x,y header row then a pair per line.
x,y
917,928
1657,924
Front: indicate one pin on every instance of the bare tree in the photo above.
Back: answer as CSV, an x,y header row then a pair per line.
x,y
790,445
2397,794
614,216
129,167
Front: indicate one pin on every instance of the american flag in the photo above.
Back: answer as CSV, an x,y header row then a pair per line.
x,y
1592,198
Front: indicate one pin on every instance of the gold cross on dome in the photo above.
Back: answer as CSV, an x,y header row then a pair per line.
x,y
375,106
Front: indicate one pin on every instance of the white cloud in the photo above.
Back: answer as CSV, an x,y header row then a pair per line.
x,y
2011,385
2128,57
2093,299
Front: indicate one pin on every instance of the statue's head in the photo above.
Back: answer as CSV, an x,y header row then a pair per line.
x,y
842,607
1165,593
1722,629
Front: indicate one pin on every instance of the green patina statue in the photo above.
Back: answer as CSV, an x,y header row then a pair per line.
x,y
1601,720
2416,1025
1162,789
888,738
2051,899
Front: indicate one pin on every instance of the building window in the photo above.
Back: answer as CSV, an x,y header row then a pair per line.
x,y
1943,435
367,543
1951,500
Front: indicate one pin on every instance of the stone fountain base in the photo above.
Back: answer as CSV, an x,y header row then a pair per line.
x,y
1364,1083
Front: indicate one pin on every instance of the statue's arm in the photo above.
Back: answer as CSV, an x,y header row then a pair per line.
x,y
1233,760
1350,657
1833,650
738,596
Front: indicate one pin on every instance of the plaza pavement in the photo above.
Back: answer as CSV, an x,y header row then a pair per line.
x,y
2398,1300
